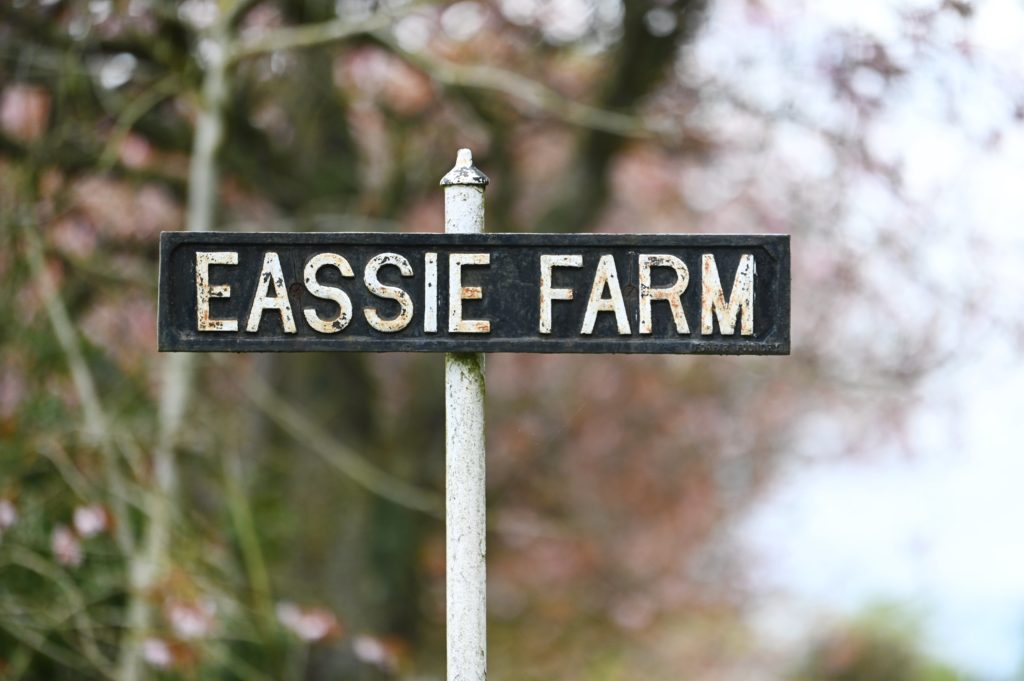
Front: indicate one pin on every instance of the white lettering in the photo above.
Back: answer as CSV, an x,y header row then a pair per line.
x,y
673,294
457,293
271,275
430,293
204,291
606,277
547,293
404,316
741,302
332,293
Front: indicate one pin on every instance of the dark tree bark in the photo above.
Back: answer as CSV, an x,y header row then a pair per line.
x,y
640,63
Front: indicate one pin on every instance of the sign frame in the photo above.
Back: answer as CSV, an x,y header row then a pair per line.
x,y
776,342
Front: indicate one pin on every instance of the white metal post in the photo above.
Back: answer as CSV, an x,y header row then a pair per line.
x,y
465,512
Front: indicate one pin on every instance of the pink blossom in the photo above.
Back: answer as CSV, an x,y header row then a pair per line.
x,y
135,152
13,388
192,620
66,547
24,111
8,515
374,652
157,653
310,625
90,520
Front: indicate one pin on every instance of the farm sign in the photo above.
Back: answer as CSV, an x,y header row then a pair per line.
x,y
431,292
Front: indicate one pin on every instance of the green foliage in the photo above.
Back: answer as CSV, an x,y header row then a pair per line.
x,y
883,644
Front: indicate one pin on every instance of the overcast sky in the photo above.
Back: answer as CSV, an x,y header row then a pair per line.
x,y
938,529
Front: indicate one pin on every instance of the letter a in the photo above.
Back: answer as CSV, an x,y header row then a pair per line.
x,y
606,277
271,275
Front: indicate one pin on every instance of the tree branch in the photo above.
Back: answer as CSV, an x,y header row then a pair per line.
x,y
640,62
177,368
534,94
41,645
76,161
131,113
97,425
32,561
310,35
344,459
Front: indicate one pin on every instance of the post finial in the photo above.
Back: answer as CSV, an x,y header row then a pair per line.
x,y
464,172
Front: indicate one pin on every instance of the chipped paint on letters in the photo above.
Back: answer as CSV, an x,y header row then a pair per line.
x,y
430,293
204,292
374,286
673,294
547,292
606,277
505,292
457,293
741,300
332,293
271,275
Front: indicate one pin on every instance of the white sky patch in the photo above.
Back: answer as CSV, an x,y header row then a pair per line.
x,y
996,29
939,530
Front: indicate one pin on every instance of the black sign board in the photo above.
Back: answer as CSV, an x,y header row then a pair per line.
x,y
433,292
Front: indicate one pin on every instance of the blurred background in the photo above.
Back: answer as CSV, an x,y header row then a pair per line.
x,y
850,512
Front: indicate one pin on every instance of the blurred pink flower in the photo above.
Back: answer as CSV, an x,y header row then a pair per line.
x,y
135,151
374,651
8,515
310,625
192,620
157,653
91,520
125,326
122,212
66,547
13,388
24,111
73,236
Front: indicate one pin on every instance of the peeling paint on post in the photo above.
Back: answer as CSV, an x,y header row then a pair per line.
x,y
465,510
